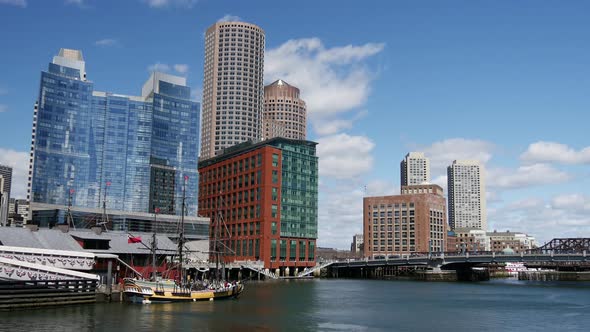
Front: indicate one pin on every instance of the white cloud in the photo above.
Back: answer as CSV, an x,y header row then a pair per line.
x,y
345,156
555,152
197,93
332,80
526,176
76,2
442,153
3,91
323,126
3,108
576,202
181,68
19,161
340,213
561,216
106,42
171,3
18,3
230,18
159,67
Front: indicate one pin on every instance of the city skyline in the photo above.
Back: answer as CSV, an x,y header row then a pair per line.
x,y
493,82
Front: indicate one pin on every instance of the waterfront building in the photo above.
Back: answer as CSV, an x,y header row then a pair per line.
x,y
516,241
51,215
357,244
285,113
415,169
232,87
405,224
133,151
467,195
6,174
471,240
267,195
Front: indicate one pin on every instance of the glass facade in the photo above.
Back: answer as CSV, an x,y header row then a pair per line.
x,y
137,149
299,190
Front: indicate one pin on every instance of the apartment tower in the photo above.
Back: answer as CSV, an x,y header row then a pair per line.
x,y
5,184
415,169
232,87
467,200
132,151
285,114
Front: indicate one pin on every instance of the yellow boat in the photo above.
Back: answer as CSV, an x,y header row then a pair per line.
x,y
141,291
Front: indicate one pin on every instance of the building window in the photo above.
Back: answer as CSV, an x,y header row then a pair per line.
x,y
275,160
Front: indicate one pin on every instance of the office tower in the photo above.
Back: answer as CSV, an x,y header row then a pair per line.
x,y
267,194
284,113
414,221
232,87
6,174
415,169
133,150
467,200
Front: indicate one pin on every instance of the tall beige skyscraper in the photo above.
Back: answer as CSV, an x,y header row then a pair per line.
x,y
415,169
233,86
285,114
467,195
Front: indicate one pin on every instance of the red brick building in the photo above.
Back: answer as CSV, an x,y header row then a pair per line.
x,y
266,194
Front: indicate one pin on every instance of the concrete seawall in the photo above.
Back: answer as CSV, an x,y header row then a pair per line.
x,y
554,276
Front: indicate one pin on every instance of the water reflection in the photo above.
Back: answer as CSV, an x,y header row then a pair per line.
x,y
336,305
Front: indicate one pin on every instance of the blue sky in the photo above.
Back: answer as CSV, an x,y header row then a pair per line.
x,y
504,82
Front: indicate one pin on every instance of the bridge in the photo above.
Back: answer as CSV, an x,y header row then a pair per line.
x,y
454,266
441,260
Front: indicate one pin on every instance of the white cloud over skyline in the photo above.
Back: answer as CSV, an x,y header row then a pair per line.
x,y
19,161
106,42
17,3
230,18
545,152
332,80
171,3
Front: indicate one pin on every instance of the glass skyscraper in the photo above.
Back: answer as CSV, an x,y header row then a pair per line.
x,y
139,149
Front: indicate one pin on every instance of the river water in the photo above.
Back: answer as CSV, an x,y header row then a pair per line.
x,y
339,305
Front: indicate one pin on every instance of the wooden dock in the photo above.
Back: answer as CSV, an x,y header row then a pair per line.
x,y
16,295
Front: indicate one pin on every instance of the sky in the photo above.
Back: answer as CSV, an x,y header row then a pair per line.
x,y
503,82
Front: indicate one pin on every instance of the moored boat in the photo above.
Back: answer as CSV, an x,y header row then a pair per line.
x,y
141,291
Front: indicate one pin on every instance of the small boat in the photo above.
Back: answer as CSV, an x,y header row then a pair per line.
x,y
145,291
141,291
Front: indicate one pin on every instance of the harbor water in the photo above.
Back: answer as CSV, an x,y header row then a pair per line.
x,y
339,305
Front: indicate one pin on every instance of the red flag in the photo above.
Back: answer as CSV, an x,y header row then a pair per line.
x,y
108,183
72,191
157,210
132,239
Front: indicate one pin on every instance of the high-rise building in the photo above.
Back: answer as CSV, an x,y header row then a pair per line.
x,y
467,195
356,246
415,169
232,87
267,195
414,222
285,113
133,150
5,186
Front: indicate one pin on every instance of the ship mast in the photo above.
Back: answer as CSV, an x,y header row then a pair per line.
x,y
181,234
154,244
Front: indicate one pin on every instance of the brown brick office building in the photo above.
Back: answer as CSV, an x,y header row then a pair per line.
x,y
267,195
414,222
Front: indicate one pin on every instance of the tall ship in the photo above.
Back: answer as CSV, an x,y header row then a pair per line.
x,y
154,290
